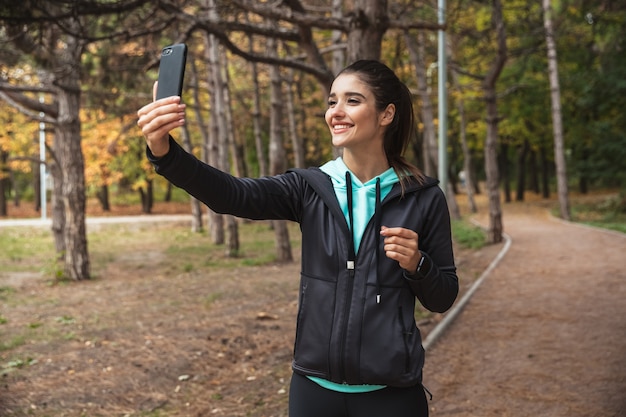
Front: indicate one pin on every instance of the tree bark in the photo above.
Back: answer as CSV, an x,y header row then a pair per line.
x,y
503,169
522,153
296,140
467,154
370,23
429,148
557,121
277,154
4,157
545,173
495,229
220,114
147,197
256,117
67,133
216,221
103,197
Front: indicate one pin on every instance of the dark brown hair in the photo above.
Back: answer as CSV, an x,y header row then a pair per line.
x,y
388,89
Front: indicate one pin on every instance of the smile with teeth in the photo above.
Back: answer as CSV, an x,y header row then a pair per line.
x,y
340,127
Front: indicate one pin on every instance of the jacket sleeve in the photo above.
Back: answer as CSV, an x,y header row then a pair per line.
x,y
436,284
274,197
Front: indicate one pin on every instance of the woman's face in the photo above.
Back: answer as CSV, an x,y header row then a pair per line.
x,y
352,116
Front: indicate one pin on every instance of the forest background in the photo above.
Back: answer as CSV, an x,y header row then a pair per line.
x,y
534,97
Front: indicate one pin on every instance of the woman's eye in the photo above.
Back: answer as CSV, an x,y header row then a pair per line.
x,y
353,101
332,103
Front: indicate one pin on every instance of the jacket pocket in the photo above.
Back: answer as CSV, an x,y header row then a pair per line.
x,y
390,351
314,325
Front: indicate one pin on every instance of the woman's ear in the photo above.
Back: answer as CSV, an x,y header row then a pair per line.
x,y
388,114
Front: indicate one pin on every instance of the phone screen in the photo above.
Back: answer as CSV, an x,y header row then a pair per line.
x,y
172,70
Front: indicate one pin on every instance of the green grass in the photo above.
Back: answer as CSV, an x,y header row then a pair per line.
x,y
607,212
23,247
468,235
176,248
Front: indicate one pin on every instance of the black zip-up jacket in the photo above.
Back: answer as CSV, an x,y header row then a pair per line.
x,y
355,320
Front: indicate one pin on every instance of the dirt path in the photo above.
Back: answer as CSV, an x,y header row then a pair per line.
x,y
545,335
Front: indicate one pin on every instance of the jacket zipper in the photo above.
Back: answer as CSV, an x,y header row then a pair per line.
x,y
350,265
346,311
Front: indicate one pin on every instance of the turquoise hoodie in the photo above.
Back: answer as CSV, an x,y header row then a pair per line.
x,y
364,195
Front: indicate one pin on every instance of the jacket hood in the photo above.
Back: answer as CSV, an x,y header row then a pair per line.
x,y
364,198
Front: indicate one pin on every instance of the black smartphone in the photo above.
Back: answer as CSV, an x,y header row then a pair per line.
x,y
172,70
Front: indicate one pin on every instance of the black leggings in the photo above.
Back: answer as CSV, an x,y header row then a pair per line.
x,y
308,399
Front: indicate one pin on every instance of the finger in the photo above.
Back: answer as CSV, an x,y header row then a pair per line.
x,y
161,125
161,104
407,249
406,262
398,231
159,109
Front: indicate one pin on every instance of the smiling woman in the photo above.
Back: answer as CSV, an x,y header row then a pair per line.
x,y
375,238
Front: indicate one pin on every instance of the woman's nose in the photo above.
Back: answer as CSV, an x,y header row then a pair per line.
x,y
336,110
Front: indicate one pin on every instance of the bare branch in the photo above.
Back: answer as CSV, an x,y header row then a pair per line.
x,y
323,75
299,16
29,107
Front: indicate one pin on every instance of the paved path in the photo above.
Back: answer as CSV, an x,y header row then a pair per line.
x,y
103,220
545,334
153,218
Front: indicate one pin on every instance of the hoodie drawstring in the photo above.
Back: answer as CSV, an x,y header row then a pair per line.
x,y
377,222
352,252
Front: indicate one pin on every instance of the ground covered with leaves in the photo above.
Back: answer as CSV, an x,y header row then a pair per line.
x,y
169,327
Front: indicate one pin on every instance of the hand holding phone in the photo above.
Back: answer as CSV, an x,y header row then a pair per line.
x,y
172,71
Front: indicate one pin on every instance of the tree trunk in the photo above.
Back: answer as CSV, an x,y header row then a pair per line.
x,y
196,206
522,152
503,167
36,185
256,122
495,229
545,173
370,21
339,54
467,154
4,156
67,134
216,221
277,153
236,151
429,148
533,172
296,141
57,208
227,141
220,114
557,122
103,197
147,197
168,193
